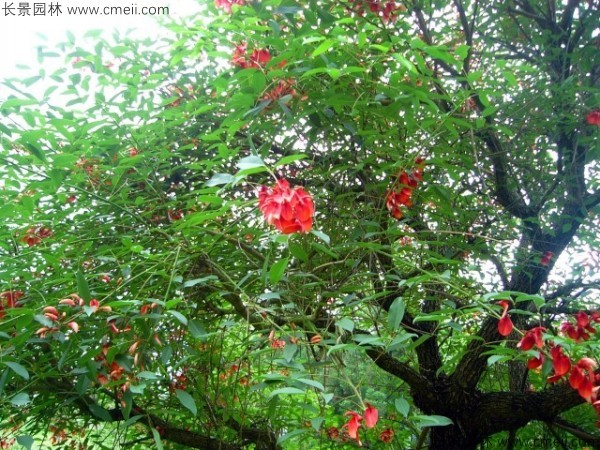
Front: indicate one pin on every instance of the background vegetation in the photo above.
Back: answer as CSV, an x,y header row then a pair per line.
x,y
451,151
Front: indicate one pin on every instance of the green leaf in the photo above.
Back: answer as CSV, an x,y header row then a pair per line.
x,y
21,399
292,434
289,159
178,316
298,252
82,286
277,270
396,313
317,422
402,406
289,352
312,383
100,412
26,441
323,47
196,329
18,369
157,440
325,238
148,375
327,397
345,324
286,391
250,162
187,401
432,421
219,179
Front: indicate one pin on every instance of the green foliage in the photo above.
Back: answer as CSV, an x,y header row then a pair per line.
x,y
160,309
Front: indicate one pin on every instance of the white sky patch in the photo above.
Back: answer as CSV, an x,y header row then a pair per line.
x,y
23,28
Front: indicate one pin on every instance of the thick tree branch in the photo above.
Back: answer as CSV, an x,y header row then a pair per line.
x,y
577,432
87,405
417,382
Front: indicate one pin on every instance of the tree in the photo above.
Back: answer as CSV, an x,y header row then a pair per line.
x,y
307,225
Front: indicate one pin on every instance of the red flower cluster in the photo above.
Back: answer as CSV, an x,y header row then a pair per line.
x,y
546,258
257,59
402,189
274,342
227,4
34,235
581,375
9,299
581,329
386,435
370,416
290,210
388,11
593,117
505,325
283,88
533,337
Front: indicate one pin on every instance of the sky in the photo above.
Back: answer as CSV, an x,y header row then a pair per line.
x,y
20,33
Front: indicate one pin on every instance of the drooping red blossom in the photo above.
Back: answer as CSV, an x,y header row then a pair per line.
x,y
227,4
593,117
353,425
260,57
371,416
386,435
401,192
531,338
9,299
546,258
175,214
333,433
582,329
256,60
561,364
284,87
388,11
34,235
536,362
505,325
289,210
583,378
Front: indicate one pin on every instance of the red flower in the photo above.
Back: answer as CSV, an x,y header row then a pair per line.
x,y
290,210
371,416
386,435
10,299
560,362
175,214
578,379
505,325
333,433
35,235
401,191
260,57
593,117
546,258
226,4
580,331
283,88
536,363
353,425
531,338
